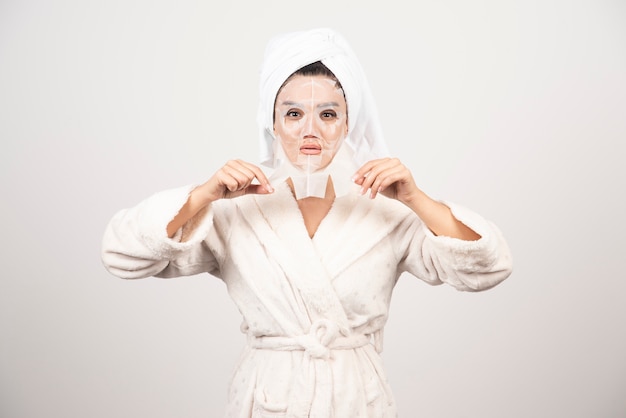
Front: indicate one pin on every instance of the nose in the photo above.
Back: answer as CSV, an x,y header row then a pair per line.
x,y
310,128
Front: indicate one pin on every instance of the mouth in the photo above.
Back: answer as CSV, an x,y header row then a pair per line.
x,y
311,149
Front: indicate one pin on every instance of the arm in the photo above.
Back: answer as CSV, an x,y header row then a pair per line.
x,y
135,244
447,243
466,265
439,218
391,178
164,235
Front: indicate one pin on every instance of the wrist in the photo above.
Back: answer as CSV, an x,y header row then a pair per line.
x,y
201,196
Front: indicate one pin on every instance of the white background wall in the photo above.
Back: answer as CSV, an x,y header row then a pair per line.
x,y
516,109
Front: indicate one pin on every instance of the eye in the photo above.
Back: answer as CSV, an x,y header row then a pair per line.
x,y
328,114
293,113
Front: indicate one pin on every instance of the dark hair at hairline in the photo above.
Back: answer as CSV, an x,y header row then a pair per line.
x,y
316,68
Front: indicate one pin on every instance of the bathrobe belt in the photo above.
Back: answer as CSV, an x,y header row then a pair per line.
x,y
323,337
311,392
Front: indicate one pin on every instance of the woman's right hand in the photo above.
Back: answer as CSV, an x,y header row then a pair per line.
x,y
235,179
232,180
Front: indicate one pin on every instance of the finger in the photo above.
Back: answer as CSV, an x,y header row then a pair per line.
x,y
261,177
386,179
370,178
256,189
228,181
252,171
362,173
382,176
244,172
234,178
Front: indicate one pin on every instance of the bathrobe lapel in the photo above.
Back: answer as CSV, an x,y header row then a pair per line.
x,y
354,226
277,222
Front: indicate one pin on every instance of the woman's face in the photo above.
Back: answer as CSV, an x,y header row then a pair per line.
x,y
310,120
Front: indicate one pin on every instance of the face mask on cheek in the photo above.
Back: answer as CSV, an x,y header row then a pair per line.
x,y
308,178
309,141
309,155
310,124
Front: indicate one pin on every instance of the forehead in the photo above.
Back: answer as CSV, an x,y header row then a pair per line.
x,y
310,87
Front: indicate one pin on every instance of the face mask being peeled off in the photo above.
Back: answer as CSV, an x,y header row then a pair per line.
x,y
287,53
307,177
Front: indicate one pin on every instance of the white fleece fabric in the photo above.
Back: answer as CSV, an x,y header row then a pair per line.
x,y
313,308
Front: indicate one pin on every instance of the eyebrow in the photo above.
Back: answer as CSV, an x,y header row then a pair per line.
x,y
326,104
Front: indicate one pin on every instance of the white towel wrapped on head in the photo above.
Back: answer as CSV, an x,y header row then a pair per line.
x,y
289,52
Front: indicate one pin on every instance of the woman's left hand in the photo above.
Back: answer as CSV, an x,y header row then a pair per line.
x,y
389,177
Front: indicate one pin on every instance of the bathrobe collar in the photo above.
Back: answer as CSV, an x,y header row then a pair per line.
x,y
312,263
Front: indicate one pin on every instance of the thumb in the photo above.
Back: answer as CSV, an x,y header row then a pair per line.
x,y
259,189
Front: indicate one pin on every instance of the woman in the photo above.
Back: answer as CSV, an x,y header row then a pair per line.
x,y
310,254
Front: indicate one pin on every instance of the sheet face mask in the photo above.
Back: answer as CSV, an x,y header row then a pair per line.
x,y
310,127
290,51
309,181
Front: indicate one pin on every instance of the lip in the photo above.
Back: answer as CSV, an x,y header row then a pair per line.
x,y
311,149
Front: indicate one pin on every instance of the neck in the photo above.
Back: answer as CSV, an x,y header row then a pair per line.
x,y
314,209
329,194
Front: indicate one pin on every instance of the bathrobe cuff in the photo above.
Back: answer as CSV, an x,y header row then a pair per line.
x,y
468,256
156,213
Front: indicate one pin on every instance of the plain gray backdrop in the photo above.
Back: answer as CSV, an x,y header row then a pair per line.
x,y
516,109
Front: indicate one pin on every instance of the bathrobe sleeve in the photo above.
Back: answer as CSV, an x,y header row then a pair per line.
x,y
135,243
466,265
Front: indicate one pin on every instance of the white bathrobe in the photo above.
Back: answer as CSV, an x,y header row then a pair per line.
x,y
313,308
